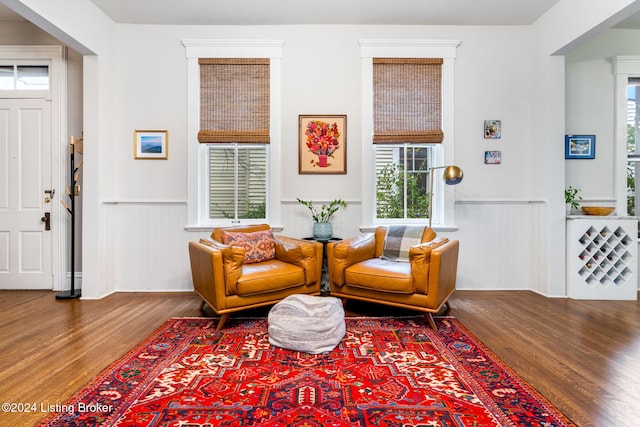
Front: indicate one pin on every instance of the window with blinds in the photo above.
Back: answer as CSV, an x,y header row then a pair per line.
x,y
407,128
237,181
234,100
234,123
407,100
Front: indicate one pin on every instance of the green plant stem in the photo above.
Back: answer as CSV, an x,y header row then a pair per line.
x,y
325,212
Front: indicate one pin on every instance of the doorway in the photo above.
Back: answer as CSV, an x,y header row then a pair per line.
x,y
31,230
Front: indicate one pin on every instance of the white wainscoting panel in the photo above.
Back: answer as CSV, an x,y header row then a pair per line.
x,y
5,251
502,245
149,246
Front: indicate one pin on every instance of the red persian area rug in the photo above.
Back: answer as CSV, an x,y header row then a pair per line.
x,y
394,372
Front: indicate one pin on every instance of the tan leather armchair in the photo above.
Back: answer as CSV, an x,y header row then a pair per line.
x,y
225,282
425,283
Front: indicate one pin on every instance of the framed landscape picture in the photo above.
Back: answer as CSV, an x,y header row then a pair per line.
x,y
322,144
151,144
580,147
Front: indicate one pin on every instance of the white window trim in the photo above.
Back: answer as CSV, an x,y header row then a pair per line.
x,y
196,154
50,56
408,48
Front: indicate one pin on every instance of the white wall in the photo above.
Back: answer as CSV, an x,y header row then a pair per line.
x,y
510,216
590,109
321,74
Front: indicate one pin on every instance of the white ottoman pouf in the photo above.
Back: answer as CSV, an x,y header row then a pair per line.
x,y
307,323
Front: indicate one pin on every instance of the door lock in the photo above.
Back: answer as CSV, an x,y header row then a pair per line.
x,y
47,220
50,193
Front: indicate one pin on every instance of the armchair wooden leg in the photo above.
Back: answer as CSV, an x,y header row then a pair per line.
x,y
432,323
222,320
447,308
202,303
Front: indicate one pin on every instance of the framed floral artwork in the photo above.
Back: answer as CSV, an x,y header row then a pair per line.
x,y
150,144
322,144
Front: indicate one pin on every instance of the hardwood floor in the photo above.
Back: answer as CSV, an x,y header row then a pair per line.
x,y
583,356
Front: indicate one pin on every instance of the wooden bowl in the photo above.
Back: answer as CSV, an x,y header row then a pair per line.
x,y
597,210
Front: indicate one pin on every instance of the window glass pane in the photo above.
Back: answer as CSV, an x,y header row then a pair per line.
x,y
417,182
237,182
389,183
252,183
221,183
32,77
632,173
6,77
402,184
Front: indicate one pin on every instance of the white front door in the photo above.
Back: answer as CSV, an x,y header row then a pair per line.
x,y
25,176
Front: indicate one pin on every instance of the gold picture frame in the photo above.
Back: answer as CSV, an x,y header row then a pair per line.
x,y
151,144
322,144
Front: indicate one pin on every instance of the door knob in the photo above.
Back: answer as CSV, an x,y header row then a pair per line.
x,y
47,220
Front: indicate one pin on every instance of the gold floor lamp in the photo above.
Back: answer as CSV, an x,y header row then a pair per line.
x,y
452,175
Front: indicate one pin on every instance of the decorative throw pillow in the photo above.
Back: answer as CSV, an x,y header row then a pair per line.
x,y
259,245
398,241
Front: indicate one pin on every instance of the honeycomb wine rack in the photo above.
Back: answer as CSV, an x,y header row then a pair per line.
x,y
602,259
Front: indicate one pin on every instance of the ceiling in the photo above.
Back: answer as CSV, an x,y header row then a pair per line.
x,y
291,12
285,12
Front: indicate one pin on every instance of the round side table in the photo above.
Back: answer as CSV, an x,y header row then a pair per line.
x,y
324,287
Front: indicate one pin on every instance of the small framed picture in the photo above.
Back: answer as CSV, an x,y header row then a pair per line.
x,y
151,144
492,157
322,144
492,129
579,146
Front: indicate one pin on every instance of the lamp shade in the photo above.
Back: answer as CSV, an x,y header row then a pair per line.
x,y
452,175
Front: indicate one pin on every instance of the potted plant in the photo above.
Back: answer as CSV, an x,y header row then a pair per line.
x,y
322,228
571,197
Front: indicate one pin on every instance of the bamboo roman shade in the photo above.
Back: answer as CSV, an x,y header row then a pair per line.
x,y
407,100
234,100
